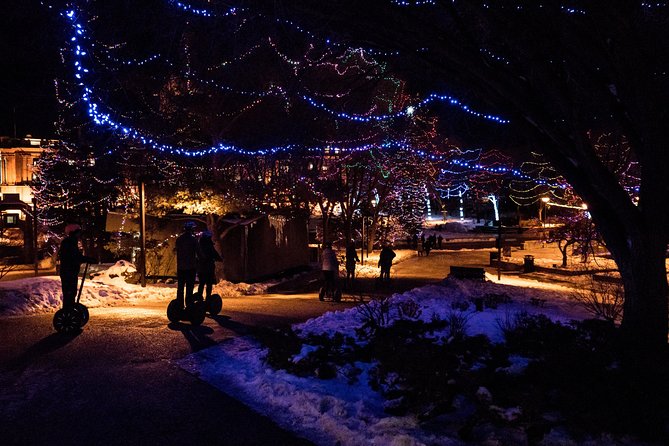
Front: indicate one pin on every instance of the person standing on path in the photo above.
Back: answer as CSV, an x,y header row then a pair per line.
x,y
207,256
385,262
351,260
329,266
71,259
186,248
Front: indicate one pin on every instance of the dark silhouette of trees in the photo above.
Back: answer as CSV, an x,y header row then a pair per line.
x,y
557,72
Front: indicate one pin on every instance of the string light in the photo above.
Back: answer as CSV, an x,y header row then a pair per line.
x,y
102,118
204,12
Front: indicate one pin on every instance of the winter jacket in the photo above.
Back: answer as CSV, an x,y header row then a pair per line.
x,y
186,248
386,257
351,257
70,256
207,254
329,260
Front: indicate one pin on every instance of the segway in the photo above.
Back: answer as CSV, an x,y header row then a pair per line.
x,y
333,293
212,305
71,319
194,313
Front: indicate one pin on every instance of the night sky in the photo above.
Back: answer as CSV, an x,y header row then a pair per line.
x,y
29,43
30,40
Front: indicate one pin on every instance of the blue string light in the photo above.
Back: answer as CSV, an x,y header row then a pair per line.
x,y
102,118
204,12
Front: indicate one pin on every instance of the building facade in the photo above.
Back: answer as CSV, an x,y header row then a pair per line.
x,y
17,160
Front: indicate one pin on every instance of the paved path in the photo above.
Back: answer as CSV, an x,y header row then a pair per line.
x,y
117,382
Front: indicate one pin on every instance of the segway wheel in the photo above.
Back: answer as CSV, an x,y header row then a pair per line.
x,y
67,321
214,304
83,312
321,293
197,312
337,295
174,311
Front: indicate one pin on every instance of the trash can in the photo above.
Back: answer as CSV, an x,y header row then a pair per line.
x,y
528,266
493,257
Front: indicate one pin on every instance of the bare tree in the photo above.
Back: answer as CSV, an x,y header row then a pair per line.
x,y
557,73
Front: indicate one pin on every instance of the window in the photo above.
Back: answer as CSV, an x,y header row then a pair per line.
x,y
11,219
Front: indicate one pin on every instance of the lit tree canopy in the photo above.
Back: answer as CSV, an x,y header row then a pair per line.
x,y
556,72
550,72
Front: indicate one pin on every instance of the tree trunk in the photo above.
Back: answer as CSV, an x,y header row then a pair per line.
x,y
563,250
645,310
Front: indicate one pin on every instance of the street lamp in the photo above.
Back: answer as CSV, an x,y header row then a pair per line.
x,y
544,205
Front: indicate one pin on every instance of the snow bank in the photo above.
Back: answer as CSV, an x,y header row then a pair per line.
x,y
337,412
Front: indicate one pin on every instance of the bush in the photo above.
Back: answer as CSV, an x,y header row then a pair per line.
x,y
374,314
457,324
602,299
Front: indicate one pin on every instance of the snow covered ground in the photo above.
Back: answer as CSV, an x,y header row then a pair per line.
x,y
107,288
337,411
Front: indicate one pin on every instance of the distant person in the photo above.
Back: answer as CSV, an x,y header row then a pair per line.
x,y
420,248
385,262
207,256
186,248
329,266
415,241
440,239
71,259
351,260
427,246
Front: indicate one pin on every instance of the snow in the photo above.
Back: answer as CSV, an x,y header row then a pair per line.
x,y
338,411
107,288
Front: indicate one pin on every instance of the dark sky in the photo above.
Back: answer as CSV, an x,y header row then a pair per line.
x,y
30,38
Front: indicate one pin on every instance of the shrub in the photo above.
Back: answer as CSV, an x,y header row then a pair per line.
x,y
409,309
602,299
374,315
493,300
457,324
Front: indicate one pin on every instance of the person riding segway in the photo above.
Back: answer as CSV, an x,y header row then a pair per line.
x,y
330,268
194,309
73,315
207,256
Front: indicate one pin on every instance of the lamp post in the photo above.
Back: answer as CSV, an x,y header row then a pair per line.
x,y
544,205
362,242
35,245
142,234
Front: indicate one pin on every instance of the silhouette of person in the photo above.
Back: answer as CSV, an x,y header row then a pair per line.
x,y
329,265
385,261
186,248
427,246
71,259
440,239
351,260
207,256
